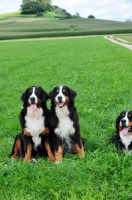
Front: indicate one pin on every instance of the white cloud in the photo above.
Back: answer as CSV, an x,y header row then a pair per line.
x,y
119,10
9,6
102,9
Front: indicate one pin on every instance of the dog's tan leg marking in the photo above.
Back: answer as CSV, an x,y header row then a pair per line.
x,y
26,132
80,151
28,153
49,152
45,131
121,150
59,154
17,149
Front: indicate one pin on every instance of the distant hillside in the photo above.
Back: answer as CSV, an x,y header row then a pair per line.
x,y
15,25
18,14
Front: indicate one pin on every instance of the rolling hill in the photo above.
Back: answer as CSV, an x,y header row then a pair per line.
x,y
15,25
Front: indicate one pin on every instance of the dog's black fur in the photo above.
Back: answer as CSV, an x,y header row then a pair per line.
x,y
122,139
20,143
34,140
64,123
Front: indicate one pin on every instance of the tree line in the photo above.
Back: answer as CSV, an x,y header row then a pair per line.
x,y
39,7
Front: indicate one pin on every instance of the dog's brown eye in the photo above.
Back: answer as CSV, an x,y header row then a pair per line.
x,y
57,91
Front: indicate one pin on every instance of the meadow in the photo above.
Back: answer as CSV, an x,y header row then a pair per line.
x,y
100,72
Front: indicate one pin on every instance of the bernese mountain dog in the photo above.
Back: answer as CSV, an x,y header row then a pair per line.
x,y
64,123
34,119
123,137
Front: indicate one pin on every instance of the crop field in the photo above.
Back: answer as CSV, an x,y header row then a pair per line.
x,y
100,72
18,26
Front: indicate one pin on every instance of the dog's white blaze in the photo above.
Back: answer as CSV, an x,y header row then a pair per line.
x,y
33,95
126,139
125,118
35,124
65,126
60,94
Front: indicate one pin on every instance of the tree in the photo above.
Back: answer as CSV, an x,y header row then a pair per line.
x,y
58,11
91,16
68,15
128,20
31,7
77,14
35,6
46,3
43,2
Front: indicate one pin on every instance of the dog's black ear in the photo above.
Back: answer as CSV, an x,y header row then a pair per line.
x,y
73,93
117,123
51,95
45,96
23,96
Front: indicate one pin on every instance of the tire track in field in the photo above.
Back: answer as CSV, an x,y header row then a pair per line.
x,y
125,44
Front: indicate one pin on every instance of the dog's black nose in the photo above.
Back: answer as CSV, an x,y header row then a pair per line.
x,y
123,121
32,99
59,98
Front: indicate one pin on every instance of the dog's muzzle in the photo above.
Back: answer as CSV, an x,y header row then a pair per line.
x,y
32,100
60,102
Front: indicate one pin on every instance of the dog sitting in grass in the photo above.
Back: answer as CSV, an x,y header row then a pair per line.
x,y
34,119
64,123
123,137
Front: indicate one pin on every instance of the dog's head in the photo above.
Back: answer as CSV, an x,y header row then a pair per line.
x,y
61,96
124,122
34,97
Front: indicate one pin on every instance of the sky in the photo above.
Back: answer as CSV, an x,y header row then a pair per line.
x,y
117,10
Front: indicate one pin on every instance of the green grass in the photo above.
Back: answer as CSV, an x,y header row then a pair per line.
x,y
9,15
18,14
100,72
49,15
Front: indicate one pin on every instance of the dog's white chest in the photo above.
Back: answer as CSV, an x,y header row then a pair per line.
x,y
126,139
65,126
35,124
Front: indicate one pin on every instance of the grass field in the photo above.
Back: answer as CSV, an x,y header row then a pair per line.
x,y
100,72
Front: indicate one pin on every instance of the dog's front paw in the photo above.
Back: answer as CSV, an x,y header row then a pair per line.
x,y
58,162
33,160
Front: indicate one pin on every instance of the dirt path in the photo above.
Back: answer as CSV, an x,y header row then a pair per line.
x,y
122,42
